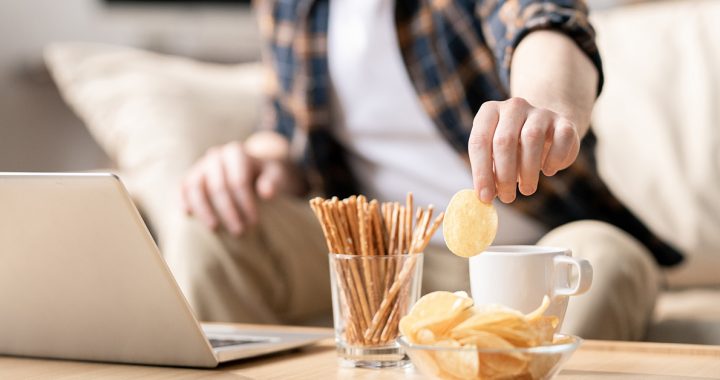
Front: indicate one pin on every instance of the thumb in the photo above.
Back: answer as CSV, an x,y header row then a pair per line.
x,y
270,180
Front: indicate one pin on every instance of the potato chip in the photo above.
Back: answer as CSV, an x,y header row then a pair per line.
x,y
520,335
483,339
481,319
537,313
448,320
502,365
544,328
437,312
425,336
425,361
462,364
470,225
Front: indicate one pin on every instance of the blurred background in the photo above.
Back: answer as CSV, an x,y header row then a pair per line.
x,y
656,121
38,132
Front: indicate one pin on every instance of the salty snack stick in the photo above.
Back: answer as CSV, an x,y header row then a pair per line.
x,y
374,293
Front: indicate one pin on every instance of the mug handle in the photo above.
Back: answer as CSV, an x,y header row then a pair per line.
x,y
585,275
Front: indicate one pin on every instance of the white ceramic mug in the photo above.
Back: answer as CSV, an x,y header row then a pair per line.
x,y
518,276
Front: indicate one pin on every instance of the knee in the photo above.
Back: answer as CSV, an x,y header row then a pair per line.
x,y
583,230
619,261
191,251
599,242
625,280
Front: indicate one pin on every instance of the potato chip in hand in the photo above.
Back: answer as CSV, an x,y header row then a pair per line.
x,y
470,225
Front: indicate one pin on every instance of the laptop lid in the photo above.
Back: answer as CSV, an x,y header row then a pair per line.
x,y
81,278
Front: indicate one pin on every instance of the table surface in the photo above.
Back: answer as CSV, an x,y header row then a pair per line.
x,y
594,360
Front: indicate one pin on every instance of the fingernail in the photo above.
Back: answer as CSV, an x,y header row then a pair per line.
x,y
548,172
527,190
486,195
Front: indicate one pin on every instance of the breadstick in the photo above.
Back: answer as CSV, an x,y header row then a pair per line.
x,y
349,207
356,282
422,229
374,291
341,223
408,220
377,228
354,317
392,322
362,223
416,236
429,234
332,235
401,231
390,298
318,213
392,247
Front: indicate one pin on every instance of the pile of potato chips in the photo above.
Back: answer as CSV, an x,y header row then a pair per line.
x,y
449,320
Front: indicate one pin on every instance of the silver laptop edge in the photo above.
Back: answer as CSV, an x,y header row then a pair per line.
x,y
81,278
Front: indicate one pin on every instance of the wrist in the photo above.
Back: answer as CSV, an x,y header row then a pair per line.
x,y
579,119
267,146
550,71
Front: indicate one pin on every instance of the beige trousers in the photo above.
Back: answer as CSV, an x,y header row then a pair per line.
x,y
278,272
626,282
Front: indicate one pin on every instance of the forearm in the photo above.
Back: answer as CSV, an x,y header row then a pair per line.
x,y
268,145
550,71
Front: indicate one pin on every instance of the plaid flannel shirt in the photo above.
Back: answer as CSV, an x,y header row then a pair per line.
x,y
458,54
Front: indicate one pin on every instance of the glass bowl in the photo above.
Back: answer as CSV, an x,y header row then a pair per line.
x,y
446,362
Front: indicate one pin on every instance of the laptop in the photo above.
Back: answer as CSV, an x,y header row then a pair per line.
x,y
81,278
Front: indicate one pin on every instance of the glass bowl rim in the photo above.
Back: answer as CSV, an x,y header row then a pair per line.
x,y
571,346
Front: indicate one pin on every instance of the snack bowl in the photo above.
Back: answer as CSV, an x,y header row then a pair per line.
x,y
444,360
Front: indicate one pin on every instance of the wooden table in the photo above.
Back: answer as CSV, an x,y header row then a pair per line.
x,y
594,360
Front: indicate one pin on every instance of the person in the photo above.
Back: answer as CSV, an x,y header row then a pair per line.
x,y
382,97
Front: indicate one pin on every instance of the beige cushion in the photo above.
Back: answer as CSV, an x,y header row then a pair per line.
x,y
155,114
657,124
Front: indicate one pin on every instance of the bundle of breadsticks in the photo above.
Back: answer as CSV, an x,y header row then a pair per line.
x,y
386,239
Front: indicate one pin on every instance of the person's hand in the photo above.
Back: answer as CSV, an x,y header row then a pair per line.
x,y
222,187
511,142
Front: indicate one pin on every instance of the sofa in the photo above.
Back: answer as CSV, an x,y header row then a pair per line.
x,y
656,122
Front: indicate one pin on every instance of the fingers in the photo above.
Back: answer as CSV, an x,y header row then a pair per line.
x,y
270,180
532,146
511,142
505,147
220,194
218,189
195,197
564,147
480,150
240,172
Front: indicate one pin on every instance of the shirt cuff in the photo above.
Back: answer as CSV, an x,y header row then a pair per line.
x,y
510,25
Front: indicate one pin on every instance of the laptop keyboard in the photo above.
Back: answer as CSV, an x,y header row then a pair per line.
x,y
217,342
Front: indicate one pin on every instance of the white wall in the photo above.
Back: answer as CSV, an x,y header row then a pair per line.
x,y
37,131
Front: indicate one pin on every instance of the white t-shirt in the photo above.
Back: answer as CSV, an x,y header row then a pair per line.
x,y
393,145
